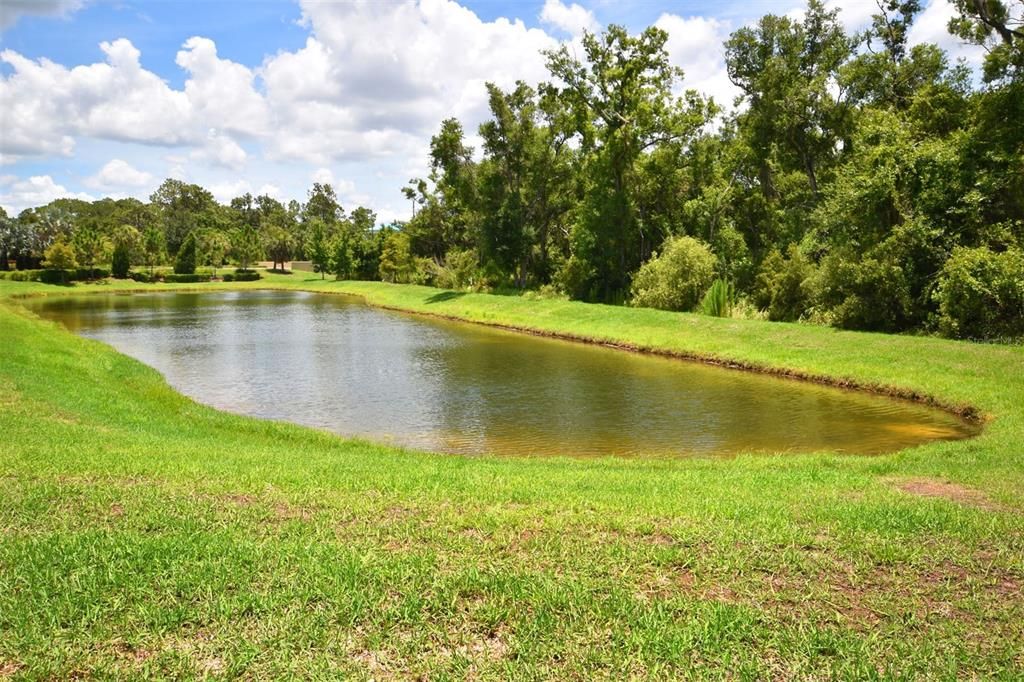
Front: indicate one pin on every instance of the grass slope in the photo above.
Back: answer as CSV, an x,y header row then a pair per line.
x,y
144,535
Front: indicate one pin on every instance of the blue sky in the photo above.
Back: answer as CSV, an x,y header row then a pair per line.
x,y
108,98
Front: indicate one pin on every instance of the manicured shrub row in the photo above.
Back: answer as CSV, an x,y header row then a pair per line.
x,y
243,276
55,276
185,278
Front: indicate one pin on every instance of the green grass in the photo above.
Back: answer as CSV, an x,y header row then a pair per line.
x,y
144,535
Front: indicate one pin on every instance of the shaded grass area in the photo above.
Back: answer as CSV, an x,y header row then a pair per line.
x,y
142,534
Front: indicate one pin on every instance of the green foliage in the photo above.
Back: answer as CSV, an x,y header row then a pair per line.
x,y
396,260
119,261
60,256
864,293
185,277
784,285
619,111
214,246
245,246
458,271
185,262
90,245
279,244
342,258
153,248
676,278
719,299
242,276
318,246
876,157
981,294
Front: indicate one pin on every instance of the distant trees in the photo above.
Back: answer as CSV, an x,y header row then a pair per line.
x,y
153,248
185,261
90,245
863,182
120,261
183,208
318,245
622,104
245,246
60,256
278,245
396,260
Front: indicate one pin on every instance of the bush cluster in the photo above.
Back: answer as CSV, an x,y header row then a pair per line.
x,y
185,278
53,276
242,276
677,278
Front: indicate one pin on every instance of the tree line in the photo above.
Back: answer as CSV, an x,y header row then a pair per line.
x,y
858,181
183,224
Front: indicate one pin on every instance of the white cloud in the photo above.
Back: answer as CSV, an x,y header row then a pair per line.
x,y
696,45
12,10
222,92
50,105
226,191
221,150
270,190
931,26
572,19
117,175
322,175
347,97
17,194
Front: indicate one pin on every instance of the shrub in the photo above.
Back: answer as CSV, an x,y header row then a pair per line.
x,y
187,278
459,270
241,276
56,276
868,294
119,261
981,294
185,263
783,284
675,279
718,299
60,256
140,277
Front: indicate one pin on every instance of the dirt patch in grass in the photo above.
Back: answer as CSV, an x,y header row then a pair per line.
x,y
8,669
946,490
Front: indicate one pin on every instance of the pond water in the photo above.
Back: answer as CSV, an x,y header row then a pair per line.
x,y
335,363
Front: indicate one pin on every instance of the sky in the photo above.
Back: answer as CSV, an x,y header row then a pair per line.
x,y
110,97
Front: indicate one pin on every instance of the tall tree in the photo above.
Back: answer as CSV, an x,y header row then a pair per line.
x,y
183,207
622,100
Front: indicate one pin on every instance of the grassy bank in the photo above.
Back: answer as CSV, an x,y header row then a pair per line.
x,y
146,535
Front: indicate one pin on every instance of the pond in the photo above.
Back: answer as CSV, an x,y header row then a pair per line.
x,y
335,363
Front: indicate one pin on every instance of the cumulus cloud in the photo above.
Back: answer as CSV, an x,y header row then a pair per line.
x,y
12,10
221,91
346,97
50,105
221,150
696,45
118,175
931,27
572,19
17,194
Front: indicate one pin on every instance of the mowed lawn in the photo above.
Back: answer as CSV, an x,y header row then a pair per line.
x,y
145,536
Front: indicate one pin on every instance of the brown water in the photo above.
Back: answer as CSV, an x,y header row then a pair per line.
x,y
336,363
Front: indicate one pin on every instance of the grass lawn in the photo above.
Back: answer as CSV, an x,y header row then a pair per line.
x,y
144,535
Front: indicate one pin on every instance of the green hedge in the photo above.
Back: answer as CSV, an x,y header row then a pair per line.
x,y
185,278
55,276
241,276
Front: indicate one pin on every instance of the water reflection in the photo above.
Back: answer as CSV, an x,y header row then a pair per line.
x,y
334,363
